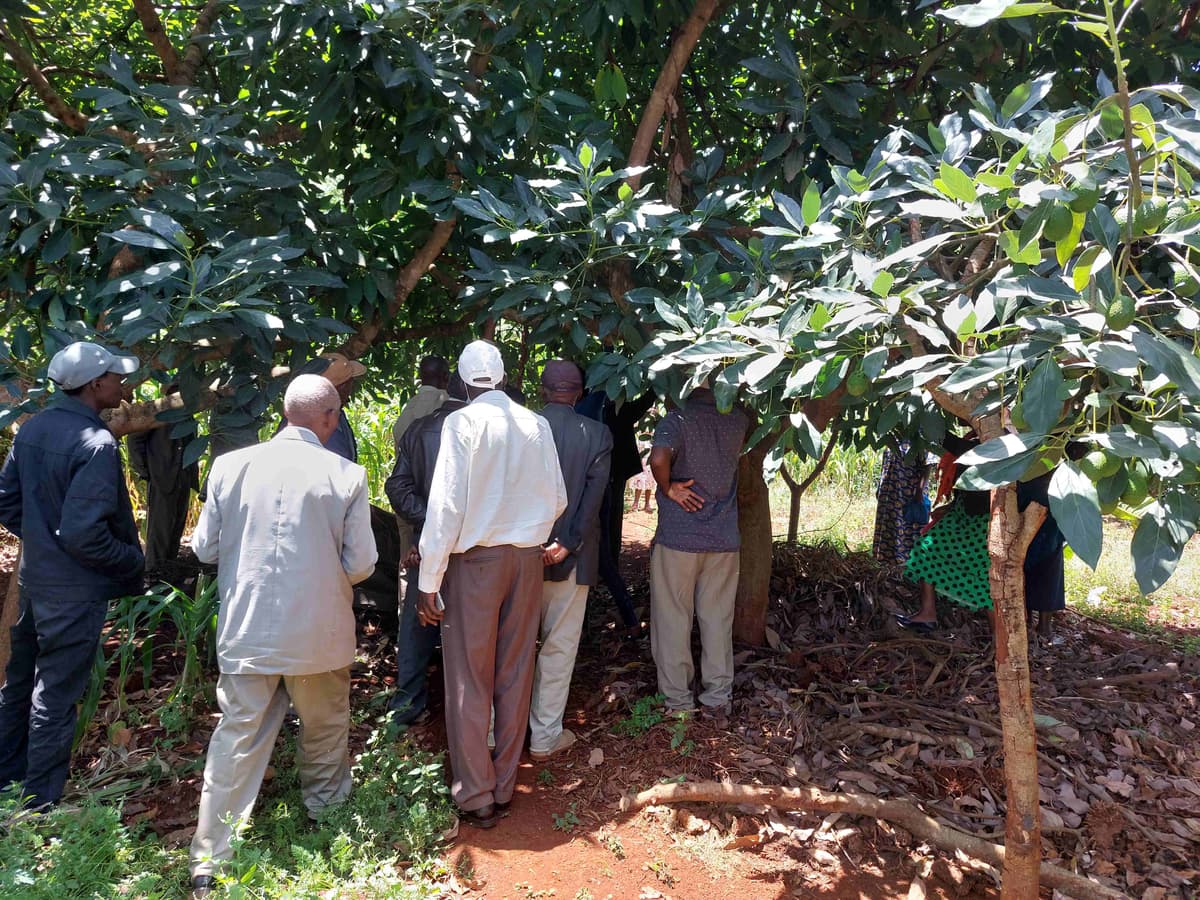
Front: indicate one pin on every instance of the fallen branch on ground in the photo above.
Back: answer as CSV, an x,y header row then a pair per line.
x,y
1170,672
899,812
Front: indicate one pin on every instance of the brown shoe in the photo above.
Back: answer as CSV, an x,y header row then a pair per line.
x,y
565,741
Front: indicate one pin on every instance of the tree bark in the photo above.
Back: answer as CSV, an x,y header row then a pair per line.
x,y
796,489
667,83
59,108
185,72
754,525
901,812
153,27
8,616
133,417
1009,536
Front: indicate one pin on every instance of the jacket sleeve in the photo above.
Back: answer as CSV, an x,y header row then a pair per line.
x,y
447,501
595,484
206,539
401,486
359,553
10,494
139,457
92,502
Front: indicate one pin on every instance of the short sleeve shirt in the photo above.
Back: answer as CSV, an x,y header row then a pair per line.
x,y
706,445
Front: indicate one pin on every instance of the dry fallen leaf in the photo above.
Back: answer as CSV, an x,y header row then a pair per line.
x,y
596,758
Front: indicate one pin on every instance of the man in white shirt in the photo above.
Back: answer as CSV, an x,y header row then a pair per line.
x,y
289,525
496,493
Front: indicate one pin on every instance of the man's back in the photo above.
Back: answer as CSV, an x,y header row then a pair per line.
x,y
63,492
289,523
497,481
584,453
706,445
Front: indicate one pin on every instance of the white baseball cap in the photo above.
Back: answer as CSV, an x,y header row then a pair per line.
x,y
76,364
481,365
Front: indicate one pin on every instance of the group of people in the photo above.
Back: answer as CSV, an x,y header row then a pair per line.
x,y
509,521
944,549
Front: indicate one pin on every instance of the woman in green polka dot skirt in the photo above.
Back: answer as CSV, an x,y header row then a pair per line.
x,y
951,558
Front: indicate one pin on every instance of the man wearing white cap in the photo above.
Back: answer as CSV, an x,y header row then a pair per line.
x,y
496,493
63,493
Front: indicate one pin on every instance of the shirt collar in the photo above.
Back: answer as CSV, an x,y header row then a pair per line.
x,y
297,433
77,406
495,397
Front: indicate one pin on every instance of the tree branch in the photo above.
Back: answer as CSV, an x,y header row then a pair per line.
x,y
153,26
185,72
668,81
68,115
899,812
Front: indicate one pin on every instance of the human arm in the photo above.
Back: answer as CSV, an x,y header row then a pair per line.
x,y
359,553
92,502
10,494
447,501
401,486
139,458
679,491
206,538
587,513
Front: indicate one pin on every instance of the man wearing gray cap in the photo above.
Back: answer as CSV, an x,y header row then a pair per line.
x,y
572,558
495,494
62,492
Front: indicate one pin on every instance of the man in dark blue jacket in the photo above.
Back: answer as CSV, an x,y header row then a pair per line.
x,y
407,489
63,493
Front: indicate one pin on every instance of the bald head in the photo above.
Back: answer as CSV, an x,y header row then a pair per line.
x,y
312,402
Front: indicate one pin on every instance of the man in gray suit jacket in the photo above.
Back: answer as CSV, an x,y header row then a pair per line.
x,y
288,524
571,558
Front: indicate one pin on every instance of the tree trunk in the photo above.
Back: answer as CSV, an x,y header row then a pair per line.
x,y
1009,535
796,489
754,524
8,616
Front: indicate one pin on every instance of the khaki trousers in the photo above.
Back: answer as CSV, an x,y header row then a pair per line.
x,y
563,606
493,597
681,584
252,711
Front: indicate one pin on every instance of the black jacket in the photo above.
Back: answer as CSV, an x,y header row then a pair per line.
x,y
407,488
62,491
584,455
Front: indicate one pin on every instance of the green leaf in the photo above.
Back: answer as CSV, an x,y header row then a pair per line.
x,y
955,183
986,476
1163,355
1156,549
1127,443
810,205
586,154
1076,510
1010,243
1015,100
1042,398
974,15
1007,446
1093,257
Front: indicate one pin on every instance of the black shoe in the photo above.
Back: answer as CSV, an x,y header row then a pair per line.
x,y
917,627
503,809
484,817
202,886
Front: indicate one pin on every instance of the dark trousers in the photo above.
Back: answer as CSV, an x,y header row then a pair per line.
x,y
610,574
53,653
493,601
165,518
415,644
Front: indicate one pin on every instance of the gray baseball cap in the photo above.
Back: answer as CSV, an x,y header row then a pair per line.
x,y
76,364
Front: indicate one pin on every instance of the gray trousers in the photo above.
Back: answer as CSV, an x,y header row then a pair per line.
x,y
252,711
493,598
683,584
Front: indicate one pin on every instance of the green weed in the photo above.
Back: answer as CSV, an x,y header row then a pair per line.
x,y
644,714
567,821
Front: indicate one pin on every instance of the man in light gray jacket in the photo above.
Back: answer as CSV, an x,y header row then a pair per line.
x,y
289,525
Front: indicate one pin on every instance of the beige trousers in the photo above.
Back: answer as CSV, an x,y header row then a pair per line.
x,y
563,606
493,596
683,584
252,711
